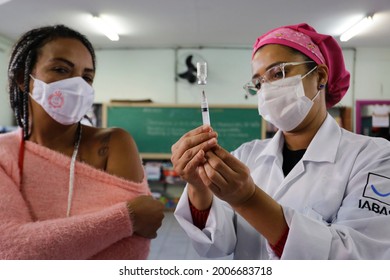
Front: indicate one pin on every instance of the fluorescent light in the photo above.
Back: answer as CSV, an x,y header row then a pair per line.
x,y
4,1
105,28
357,28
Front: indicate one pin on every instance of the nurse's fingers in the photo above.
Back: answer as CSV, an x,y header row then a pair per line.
x,y
188,167
218,171
191,157
214,175
207,182
198,138
233,171
204,130
227,184
230,160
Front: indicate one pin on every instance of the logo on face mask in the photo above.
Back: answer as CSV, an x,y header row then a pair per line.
x,y
56,100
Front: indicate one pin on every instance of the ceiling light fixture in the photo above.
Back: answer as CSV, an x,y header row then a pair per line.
x,y
105,28
4,1
361,25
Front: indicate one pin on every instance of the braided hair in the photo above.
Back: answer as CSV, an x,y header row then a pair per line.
x,y
23,58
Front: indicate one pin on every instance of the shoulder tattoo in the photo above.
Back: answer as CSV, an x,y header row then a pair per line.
x,y
103,149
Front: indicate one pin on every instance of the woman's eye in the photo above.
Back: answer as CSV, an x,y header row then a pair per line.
x,y
60,70
88,79
276,74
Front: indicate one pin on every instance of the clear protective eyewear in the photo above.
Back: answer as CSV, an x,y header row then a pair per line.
x,y
275,73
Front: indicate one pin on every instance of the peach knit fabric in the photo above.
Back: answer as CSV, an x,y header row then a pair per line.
x,y
33,222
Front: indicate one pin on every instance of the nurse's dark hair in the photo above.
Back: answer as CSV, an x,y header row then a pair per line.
x,y
23,58
308,66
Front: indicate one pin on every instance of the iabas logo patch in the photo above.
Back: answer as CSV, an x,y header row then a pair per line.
x,y
377,188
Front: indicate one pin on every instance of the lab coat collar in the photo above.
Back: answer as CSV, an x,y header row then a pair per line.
x,y
322,148
274,146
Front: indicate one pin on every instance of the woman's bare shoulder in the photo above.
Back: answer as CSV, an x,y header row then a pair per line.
x,y
119,150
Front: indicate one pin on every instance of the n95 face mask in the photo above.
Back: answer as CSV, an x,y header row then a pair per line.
x,y
66,101
284,103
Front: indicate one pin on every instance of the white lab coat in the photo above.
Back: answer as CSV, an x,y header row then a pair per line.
x,y
336,200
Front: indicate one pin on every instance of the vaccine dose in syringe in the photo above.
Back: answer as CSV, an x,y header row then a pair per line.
x,y
205,109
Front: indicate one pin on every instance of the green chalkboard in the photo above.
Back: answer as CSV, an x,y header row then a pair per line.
x,y
156,127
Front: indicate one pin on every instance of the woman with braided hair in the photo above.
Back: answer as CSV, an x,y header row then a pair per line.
x,y
68,191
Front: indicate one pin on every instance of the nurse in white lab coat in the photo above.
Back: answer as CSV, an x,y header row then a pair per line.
x,y
313,191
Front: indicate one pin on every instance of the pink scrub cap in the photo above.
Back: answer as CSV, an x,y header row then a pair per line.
x,y
323,49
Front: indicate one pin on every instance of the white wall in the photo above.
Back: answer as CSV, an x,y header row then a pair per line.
x,y
349,59
135,74
150,73
6,115
372,74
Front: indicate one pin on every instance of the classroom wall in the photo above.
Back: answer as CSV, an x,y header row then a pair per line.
x,y
135,74
372,74
151,74
143,74
6,117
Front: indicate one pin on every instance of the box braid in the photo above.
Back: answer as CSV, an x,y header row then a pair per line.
x,y
23,58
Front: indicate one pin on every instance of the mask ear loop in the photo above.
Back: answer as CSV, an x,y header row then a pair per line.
x,y
315,96
31,76
320,87
314,68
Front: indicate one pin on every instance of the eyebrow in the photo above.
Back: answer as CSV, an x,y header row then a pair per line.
x,y
90,70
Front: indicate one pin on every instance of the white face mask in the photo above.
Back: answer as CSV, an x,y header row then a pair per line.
x,y
283,102
66,101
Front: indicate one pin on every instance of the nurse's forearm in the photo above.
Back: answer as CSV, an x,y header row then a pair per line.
x,y
265,215
200,198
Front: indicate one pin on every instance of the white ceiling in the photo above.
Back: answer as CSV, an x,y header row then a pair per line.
x,y
196,23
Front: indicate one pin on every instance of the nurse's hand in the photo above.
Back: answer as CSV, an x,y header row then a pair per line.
x,y
188,153
227,177
230,180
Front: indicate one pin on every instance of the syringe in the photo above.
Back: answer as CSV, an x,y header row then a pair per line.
x,y
201,73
